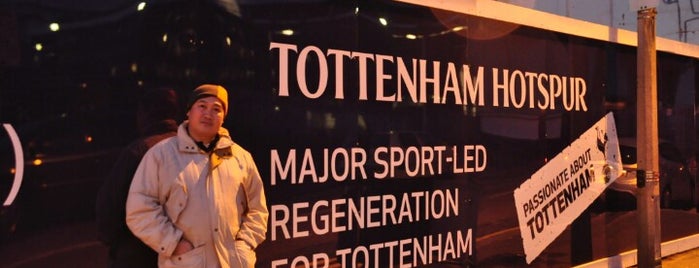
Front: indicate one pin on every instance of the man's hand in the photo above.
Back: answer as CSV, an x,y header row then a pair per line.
x,y
182,247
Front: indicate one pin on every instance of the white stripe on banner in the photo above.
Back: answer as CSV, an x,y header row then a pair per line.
x,y
19,164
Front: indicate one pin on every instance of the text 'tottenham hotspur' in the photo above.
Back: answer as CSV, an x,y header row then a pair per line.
x,y
305,166
421,81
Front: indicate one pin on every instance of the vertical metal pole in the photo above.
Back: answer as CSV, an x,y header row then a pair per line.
x,y
648,196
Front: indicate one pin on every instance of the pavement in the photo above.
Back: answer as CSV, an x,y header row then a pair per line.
x,y
682,259
688,258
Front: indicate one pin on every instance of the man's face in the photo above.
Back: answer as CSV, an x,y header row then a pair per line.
x,y
205,118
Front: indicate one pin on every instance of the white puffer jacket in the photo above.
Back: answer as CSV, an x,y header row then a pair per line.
x,y
215,201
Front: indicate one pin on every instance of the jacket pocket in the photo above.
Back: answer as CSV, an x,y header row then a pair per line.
x,y
176,202
244,254
193,258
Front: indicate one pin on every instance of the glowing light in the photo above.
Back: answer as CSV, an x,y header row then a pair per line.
x,y
411,36
54,27
134,67
38,46
383,21
228,41
141,6
165,38
13,170
288,32
37,162
477,29
88,138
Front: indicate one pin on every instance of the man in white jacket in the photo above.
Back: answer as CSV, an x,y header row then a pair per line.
x,y
197,198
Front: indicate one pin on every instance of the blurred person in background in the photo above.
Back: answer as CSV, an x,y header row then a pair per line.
x,y
156,120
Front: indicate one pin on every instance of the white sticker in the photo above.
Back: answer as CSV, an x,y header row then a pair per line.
x,y
562,189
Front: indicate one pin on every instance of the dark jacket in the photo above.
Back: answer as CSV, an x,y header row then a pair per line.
x,y
125,250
